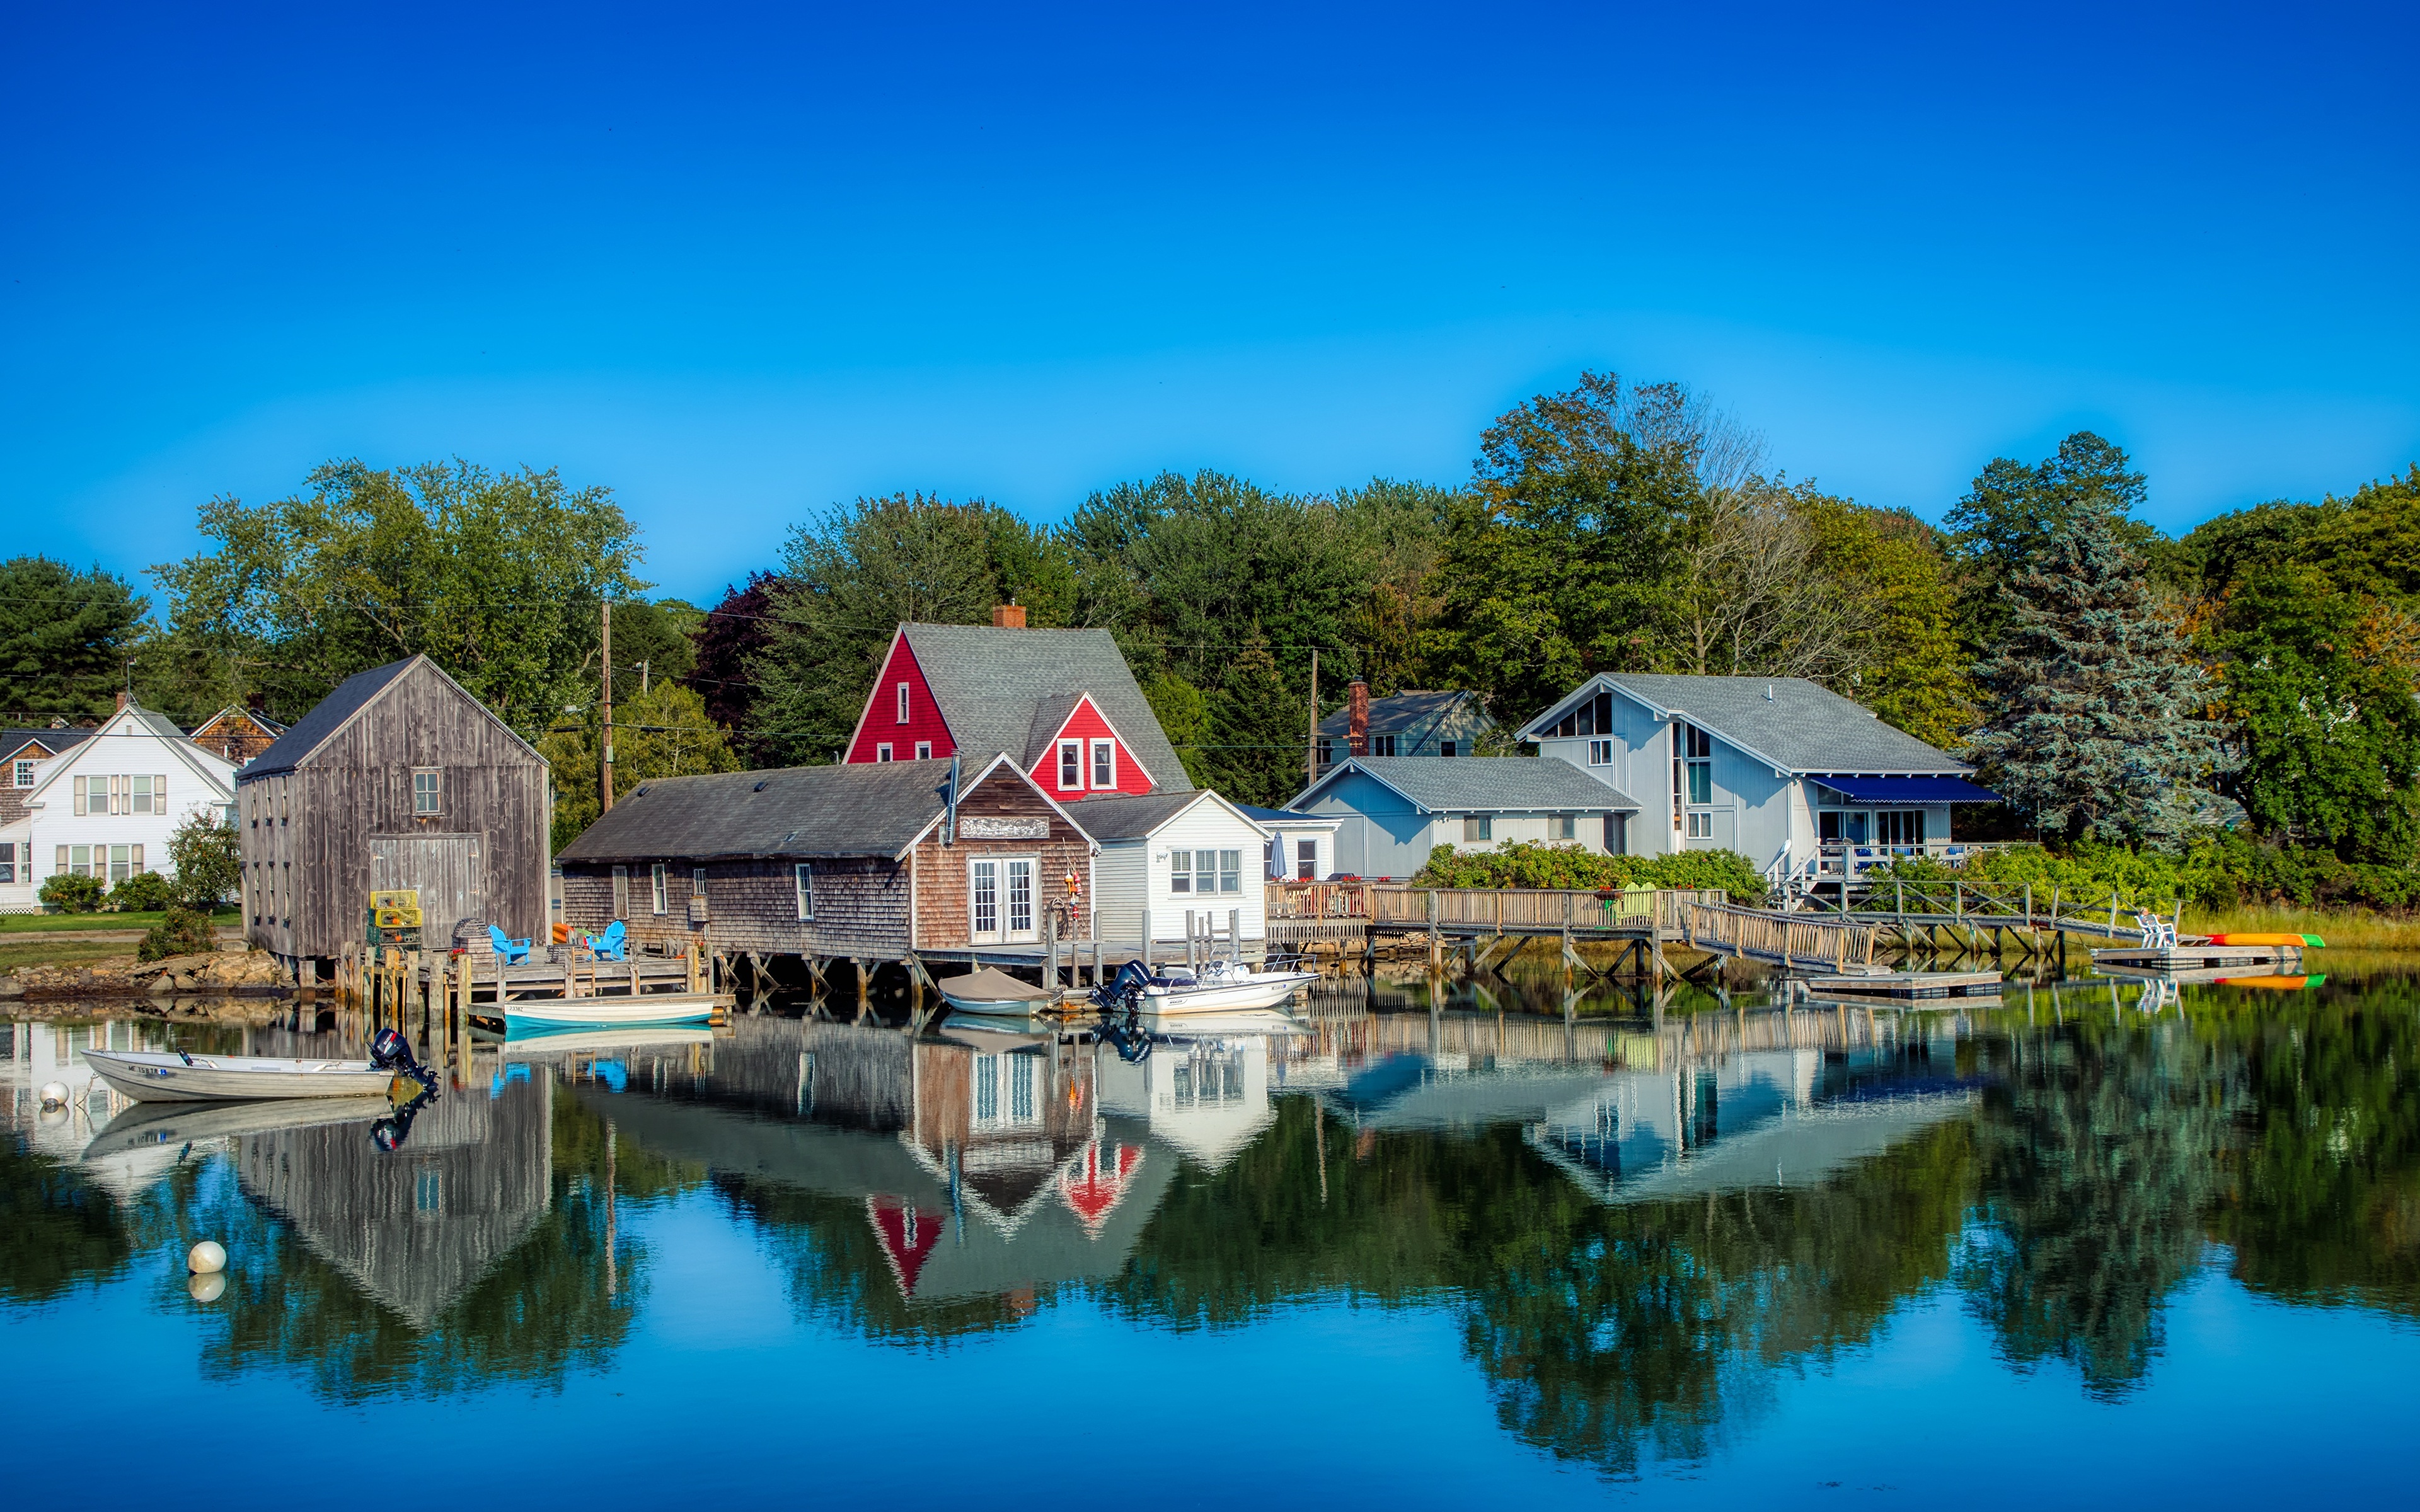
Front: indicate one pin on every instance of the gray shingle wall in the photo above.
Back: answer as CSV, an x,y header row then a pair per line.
x,y
860,906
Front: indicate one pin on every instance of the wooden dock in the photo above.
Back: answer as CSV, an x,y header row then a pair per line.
x,y
1900,986
2199,958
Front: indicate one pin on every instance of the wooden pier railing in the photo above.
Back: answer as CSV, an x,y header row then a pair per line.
x,y
1801,940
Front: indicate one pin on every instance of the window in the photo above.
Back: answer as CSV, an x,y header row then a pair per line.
x,y
1445,747
1205,871
1701,765
1382,745
621,891
1306,860
903,703
8,860
140,788
1898,826
923,751
76,861
427,792
1701,825
982,906
24,774
806,882
1230,871
1600,754
1104,763
697,882
1593,717
1564,827
1020,898
662,899
1180,870
882,753
123,862
1071,763
1478,826
1327,753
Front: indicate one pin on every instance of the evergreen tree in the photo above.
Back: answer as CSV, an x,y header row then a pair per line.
x,y
65,636
2009,520
1257,730
2099,729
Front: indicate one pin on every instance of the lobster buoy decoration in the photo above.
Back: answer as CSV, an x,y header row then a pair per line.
x,y
209,1258
55,1094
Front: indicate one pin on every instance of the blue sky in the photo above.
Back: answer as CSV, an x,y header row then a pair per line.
x,y
740,262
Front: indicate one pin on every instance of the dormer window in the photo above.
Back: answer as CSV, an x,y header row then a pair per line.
x,y
24,773
1104,763
1071,765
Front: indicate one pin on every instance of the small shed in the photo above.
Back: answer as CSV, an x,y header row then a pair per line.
x,y
1393,810
861,862
399,778
1168,855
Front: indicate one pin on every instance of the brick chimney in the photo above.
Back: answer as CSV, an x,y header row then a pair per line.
x,y
123,699
1356,729
256,701
1008,616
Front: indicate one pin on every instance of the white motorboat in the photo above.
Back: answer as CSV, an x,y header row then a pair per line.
x,y
178,1076
1220,987
165,1125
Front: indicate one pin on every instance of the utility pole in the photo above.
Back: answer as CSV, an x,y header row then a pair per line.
x,y
642,679
605,713
1311,756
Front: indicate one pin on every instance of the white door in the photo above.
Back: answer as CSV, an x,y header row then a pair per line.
x,y
1001,901
982,904
1020,899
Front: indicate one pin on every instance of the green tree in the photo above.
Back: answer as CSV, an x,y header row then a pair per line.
x,y
655,640
65,637
2009,521
1257,734
661,732
2099,726
497,577
204,853
1184,716
1908,666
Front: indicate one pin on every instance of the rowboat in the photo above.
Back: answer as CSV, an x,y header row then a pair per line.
x,y
994,994
522,1015
158,1125
177,1076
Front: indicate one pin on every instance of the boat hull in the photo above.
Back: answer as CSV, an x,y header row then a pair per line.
x,y
1263,991
153,1077
608,1013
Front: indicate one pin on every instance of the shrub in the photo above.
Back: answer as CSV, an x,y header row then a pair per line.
x,y
208,861
1529,864
144,892
67,893
183,933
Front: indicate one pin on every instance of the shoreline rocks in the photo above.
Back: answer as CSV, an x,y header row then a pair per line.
x,y
222,974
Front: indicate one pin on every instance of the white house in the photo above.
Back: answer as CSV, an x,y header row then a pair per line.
x,y
1393,811
1786,772
1170,854
106,806
1302,846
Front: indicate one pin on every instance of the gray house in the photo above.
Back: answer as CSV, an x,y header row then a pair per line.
x,y
1393,811
1800,780
1415,723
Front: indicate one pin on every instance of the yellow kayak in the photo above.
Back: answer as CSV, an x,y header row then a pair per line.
x,y
2282,985
2297,941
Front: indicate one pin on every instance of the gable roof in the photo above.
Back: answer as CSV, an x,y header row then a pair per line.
x,y
135,721
237,711
992,684
13,742
1267,817
1137,817
1801,728
342,706
1414,711
1480,784
860,808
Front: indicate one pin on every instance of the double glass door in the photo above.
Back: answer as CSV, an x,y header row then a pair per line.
x,y
999,906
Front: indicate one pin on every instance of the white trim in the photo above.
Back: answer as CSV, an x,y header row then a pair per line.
x,y
902,711
882,751
1095,747
1061,751
1023,775
923,751
802,882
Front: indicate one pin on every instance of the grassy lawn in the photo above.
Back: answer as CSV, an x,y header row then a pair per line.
x,y
43,924
2352,931
61,953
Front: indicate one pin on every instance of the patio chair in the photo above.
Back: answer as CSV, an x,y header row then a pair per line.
x,y
511,953
2158,934
611,945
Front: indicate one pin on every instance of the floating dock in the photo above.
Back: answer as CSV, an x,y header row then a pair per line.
x,y
1901,986
2170,960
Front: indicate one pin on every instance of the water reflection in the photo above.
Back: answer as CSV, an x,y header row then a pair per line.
x,y
1636,1220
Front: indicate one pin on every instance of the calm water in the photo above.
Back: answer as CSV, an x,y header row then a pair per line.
x,y
2090,1248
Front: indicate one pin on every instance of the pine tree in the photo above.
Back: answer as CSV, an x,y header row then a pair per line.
x,y
2100,727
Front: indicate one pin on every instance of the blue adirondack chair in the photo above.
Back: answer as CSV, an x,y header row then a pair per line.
x,y
610,945
511,953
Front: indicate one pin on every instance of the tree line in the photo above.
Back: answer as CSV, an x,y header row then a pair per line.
x,y
2252,679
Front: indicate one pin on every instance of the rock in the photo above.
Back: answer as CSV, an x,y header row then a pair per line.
x,y
161,985
13,987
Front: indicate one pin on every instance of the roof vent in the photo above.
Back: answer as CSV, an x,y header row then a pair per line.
x,y
1768,692
758,788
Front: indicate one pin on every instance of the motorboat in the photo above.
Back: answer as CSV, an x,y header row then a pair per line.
x,y
1218,987
180,1077
162,1125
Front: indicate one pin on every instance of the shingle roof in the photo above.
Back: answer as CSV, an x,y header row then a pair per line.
x,y
1481,783
1049,717
1277,816
1804,727
990,683
1132,818
54,741
864,809
1413,708
326,717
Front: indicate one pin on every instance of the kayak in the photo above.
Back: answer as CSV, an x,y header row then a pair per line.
x,y
2282,985
2297,941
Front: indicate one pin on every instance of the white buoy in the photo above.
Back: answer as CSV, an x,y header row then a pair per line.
x,y
205,1258
55,1094
206,1288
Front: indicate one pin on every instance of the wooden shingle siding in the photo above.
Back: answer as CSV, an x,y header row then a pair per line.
x,y
313,823
861,907
941,897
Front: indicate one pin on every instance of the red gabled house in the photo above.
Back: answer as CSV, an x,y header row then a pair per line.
x,y
1063,704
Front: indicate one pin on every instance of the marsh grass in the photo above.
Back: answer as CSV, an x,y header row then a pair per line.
x,y
63,953
2351,931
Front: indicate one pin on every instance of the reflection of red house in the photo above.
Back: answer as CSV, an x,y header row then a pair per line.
x,y
1061,702
907,1233
1091,1184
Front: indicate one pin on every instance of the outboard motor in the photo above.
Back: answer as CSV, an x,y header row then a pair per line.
x,y
390,1132
1123,991
391,1052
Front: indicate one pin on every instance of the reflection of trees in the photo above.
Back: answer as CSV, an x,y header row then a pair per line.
x,y
2100,1154
57,1229
2325,1201
554,1303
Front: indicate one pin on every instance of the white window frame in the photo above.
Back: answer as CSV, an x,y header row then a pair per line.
x,y
1231,873
8,860
1180,872
1071,765
437,793
1104,763
1600,754
1701,825
803,876
903,703
1478,826
882,751
25,771
1306,854
923,751
1564,827
662,899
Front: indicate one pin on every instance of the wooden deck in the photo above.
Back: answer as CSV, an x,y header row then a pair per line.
x,y
1906,985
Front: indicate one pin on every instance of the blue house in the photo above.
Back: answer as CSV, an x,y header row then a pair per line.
x,y
1806,783
1391,811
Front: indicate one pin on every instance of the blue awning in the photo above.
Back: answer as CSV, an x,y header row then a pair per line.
x,y
1909,790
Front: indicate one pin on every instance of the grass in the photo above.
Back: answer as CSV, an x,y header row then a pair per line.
x,y
43,924
2351,931
61,953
